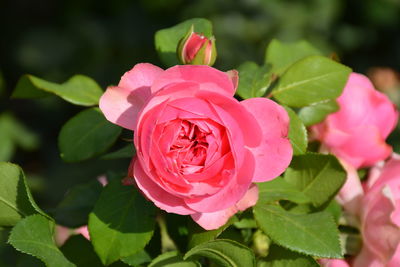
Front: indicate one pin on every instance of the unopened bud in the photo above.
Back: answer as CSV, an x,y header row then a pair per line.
x,y
196,49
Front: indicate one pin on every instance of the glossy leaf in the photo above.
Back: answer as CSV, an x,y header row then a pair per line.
x,y
311,80
127,151
317,112
121,223
16,201
282,55
297,133
166,40
34,235
278,189
138,258
281,257
313,234
86,135
318,176
74,209
172,259
254,80
14,134
78,90
224,252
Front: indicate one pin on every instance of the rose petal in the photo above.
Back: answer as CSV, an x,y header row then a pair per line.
x,y
208,78
351,193
214,220
367,259
160,197
274,153
363,148
234,76
333,263
230,193
395,260
121,104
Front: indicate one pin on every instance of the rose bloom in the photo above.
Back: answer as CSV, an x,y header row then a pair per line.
x,y
356,133
380,218
199,150
377,207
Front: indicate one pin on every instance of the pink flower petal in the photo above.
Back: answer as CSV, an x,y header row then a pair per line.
x,y
160,197
230,193
208,78
395,260
363,148
234,76
350,195
214,220
333,263
274,153
83,230
121,104
367,259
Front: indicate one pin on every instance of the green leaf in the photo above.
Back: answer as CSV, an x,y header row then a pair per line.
x,y
282,55
16,201
197,235
311,80
74,209
318,176
172,259
86,135
34,236
335,210
127,151
317,112
138,258
79,89
79,251
312,234
278,189
246,220
12,134
281,257
254,80
166,40
224,252
297,133
121,223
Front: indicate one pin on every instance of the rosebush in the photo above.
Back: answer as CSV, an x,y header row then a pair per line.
x,y
198,149
229,148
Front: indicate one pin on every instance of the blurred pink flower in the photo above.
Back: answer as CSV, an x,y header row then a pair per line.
x,y
379,214
333,263
356,133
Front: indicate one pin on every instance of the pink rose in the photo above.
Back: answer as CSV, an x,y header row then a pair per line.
x,y
357,132
378,213
199,150
380,219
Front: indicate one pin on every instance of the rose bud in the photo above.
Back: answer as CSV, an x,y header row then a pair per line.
x,y
196,49
199,150
356,133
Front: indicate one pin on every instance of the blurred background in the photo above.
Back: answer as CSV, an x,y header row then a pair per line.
x,y
103,39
